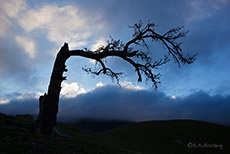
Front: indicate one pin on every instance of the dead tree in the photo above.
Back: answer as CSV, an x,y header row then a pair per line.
x,y
139,58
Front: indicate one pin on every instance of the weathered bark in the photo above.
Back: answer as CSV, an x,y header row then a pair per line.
x,y
48,103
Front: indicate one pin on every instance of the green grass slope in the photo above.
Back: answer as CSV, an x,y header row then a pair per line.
x,y
156,137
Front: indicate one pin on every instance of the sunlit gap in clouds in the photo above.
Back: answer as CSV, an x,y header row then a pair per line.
x,y
173,97
5,101
73,89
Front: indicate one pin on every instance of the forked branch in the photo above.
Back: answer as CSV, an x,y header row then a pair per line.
x,y
139,58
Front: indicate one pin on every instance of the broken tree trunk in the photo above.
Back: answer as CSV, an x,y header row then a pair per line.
x,y
48,103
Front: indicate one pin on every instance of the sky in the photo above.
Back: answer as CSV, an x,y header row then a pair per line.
x,y
32,32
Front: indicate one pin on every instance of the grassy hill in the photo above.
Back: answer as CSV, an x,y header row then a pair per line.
x,y
98,125
154,137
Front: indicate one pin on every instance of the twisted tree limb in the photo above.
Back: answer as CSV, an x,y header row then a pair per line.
x,y
139,58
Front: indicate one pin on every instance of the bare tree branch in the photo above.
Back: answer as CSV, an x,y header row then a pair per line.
x,y
128,52
136,52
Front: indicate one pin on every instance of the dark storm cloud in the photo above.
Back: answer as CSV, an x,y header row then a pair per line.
x,y
210,37
116,11
118,103
14,63
22,106
207,22
111,102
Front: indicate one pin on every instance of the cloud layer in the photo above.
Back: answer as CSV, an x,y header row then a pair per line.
x,y
110,102
31,35
32,32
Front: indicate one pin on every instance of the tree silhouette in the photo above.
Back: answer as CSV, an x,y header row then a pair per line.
x,y
136,52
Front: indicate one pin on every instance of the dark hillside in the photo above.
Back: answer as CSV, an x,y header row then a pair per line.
x,y
173,136
18,135
97,125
